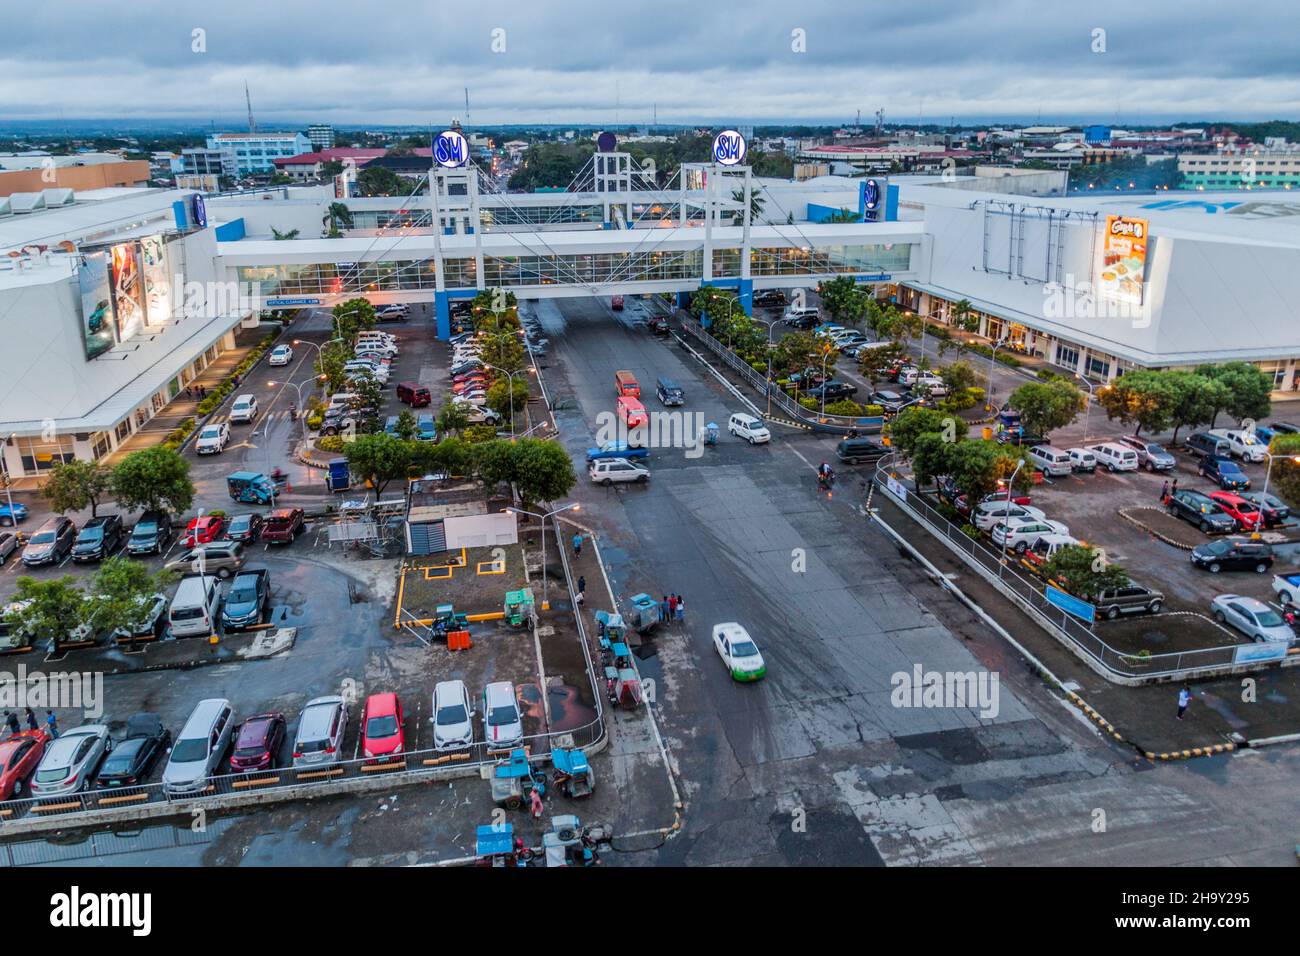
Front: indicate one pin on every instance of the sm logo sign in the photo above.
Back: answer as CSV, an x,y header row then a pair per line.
x,y
729,148
450,149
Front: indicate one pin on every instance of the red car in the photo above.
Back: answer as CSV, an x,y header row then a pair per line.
x,y
258,743
1245,512
282,526
202,530
381,728
19,756
616,302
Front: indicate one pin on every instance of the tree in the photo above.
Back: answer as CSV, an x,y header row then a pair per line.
x,y
963,316
451,456
977,467
959,376
1246,390
369,393
1046,406
381,181
844,299
378,459
504,350
333,356
505,393
76,485
121,592
57,607
544,471
756,203
494,461
910,424
843,215
1286,467
1144,397
353,316
277,234
406,428
452,419
337,217
1196,399
1083,571
153,479
932,455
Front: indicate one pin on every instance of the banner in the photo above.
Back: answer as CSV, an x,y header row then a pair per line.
x,y
157,283
128,290
96,303
1123,259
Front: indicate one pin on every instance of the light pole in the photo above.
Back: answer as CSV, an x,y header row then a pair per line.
x,y
1087,410
543,517
320,353
925,317
302,407
826,354
993,353
510,377
768,385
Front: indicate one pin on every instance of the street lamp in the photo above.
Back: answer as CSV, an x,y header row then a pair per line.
x,y
543,517
827,351
771,325
993,353
302,406
510,376
1087,410
320,354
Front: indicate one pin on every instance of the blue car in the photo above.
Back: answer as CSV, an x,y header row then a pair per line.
x,y
1224,472
390,425
615,449
425,430
19,513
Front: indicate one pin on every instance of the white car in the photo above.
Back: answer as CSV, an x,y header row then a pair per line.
x,y
244,410
503,728
1115,457
990,513
453,717
607,471
1252,617
1243,444
281,355
213,439
749,428
931,383
1082,460
739,652
1021,534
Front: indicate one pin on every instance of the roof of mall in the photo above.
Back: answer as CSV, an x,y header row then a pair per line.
x,y
91,217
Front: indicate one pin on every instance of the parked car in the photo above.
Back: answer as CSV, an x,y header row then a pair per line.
x,y
989,513
1244,511
280,355
20,754
1242,444
1018,437
213,439
1203,445
222,558
150,625
891,402
71,760
1287,588
151,534
749,428
616,449
1233,554
382,736
321,727
245,605
1151,456
51,543
1115,457
1082,461
98,539
453,716
1201,510
1021,534
1132,598
769,297
392,313
203,529
503,726
426,428
832,391
658,325
282,526
11,515
8,545
1051,461
738,651
608,471
200,745
244,410
244,527
1224,472
1274,509
258,743
135,754
1251,617
1285,427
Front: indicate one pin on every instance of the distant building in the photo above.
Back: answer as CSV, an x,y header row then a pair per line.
x,y
321,136
1242,169
309,166
208,162
35,172
257,152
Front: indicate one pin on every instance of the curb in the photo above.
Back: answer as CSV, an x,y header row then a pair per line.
x,y
1124,513
1209,750
1097,718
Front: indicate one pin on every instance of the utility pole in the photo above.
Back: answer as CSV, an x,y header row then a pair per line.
x,y
252,127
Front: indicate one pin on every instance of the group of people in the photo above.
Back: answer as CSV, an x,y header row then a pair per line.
x,y
196,392
672,608
1167,491
15,727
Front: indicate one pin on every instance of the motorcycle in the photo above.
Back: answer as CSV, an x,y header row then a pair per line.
x,y
825,480
293,412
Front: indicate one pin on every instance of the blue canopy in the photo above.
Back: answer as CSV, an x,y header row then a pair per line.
x,y
570,761
495,839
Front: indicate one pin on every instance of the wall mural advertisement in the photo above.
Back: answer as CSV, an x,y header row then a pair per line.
x,y
128,290
96,303
1124,259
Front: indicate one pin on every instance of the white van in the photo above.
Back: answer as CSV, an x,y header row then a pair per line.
x,y
193,611
340,401
244,410
199,747
749,428
1052,461
607,471
1115,457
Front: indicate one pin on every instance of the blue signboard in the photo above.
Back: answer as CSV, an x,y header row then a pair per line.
x,y
1262,651
276,303
450,149
1070,604
199,211
729,148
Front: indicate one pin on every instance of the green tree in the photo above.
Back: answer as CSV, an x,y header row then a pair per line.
x,y
367,389
963,316
503,350
931,456
503,393
407,426
453,418
977,467
1145,398
1286,467
155,479
57,607
756,203
959,376
1083,571
353,316
1046,406
843,215
907,427
495,462
844,299
544,471
1246,390
121,591
330,362
76,485
451,456
378,458
1197,399
380,181
337,218
277,234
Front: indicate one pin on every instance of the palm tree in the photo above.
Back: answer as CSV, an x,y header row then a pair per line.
x,y
337,217
963,316
755,205
291,234
843,215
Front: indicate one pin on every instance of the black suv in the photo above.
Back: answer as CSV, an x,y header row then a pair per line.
x,y
1233,554
854,450
1201,510
769,297
99,538
1132,598
151,534
832,390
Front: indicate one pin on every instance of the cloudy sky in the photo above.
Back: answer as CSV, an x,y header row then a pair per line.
x,y
580,61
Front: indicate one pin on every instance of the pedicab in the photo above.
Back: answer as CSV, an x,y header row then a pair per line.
x,y
514,779
251,487
610,629
645,613
573,773
618,654
623,687
495,845
710,433
519,607
565,845
446,620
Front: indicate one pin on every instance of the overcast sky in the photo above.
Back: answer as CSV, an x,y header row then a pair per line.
x,y
580,61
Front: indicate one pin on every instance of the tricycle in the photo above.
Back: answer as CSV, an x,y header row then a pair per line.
x,y
514,779
573,773
623,687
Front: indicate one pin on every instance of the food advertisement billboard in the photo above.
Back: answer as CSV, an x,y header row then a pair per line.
x,y
1124,259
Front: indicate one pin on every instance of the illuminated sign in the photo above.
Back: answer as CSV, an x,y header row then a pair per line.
x,y
1124,259
450,149
870,195
729,148
199,211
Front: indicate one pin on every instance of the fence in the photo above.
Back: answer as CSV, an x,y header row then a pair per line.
x,y
1027,593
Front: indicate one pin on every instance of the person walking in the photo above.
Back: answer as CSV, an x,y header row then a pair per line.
x,y
1164,491
536,800
52,724
577,544
1184,698
665,611
681,609
582,583
31,720
11,720
1173,489
672,607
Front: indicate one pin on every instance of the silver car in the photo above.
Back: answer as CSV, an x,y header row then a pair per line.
x,y
199,747
71,760
453,717
503,728
1252,617
321,726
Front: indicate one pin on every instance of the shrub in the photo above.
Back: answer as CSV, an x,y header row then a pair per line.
x,y
315,421
330,443
480,433
845,406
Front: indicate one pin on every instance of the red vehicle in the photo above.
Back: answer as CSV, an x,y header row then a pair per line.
x,y
19,756
469,385
413,394
258,743
381,728
616,302
282,526
1244,511
962,504
202,530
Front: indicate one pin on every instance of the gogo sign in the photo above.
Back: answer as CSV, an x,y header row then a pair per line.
x,y
729,148
450,149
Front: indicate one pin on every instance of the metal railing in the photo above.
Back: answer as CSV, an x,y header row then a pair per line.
x,y
1026,592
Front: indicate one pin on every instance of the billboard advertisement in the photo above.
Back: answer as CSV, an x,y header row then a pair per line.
x,y
96,303
128,289
157,284
1123,259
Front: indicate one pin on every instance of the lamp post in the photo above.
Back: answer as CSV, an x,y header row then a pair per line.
x,y
771,325
1087,410
826,354
302,407
543,517
510,376
320,353
9,495
993,353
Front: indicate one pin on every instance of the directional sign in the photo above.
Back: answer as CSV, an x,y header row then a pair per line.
x,y
1070,604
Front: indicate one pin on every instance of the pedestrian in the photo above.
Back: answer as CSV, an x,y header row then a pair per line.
x,y
681,609
1164,491
11,720
189,392
1184,698
672,606
31,720
536,799
582,583
1173,489
665,612
577,544
52,724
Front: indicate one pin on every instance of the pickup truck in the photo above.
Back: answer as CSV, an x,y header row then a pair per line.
x,y
282,526
250,592
1287,588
